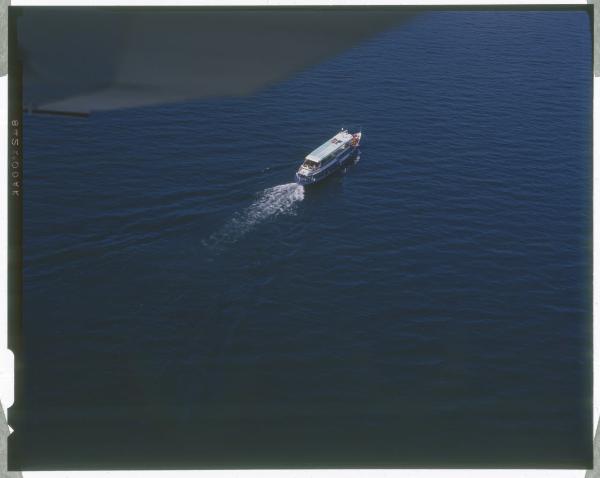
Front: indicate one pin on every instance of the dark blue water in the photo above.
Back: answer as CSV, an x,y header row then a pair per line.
x,y
430,305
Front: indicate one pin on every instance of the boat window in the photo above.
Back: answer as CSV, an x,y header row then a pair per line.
x,y
310,164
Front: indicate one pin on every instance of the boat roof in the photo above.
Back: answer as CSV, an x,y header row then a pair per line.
x,y
329,146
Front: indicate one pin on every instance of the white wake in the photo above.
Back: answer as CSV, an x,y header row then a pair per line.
x,y
271,202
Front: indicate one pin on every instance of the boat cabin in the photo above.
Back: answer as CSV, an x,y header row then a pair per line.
x,y
328,151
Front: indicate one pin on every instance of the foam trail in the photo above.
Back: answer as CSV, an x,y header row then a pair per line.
x,y
271,202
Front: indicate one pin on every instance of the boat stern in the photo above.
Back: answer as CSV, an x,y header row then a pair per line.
x,y
304,180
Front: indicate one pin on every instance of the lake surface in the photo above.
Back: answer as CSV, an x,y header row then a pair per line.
x,y
186,303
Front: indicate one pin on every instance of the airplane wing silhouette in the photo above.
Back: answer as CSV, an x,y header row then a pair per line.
x,y
82,60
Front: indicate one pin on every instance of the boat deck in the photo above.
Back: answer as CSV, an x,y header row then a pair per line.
x,y
329,146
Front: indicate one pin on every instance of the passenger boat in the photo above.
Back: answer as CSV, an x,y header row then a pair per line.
x,y
328,157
